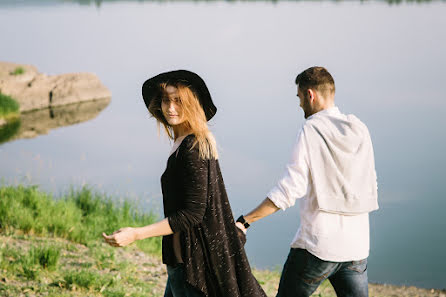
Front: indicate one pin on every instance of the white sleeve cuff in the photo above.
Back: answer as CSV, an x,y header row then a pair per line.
x,y
279,199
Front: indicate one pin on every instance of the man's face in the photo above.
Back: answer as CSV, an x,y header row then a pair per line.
x,y
304,103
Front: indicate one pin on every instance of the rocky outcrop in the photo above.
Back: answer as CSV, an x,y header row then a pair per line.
x,y
34,90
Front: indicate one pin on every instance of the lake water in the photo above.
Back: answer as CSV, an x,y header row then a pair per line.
x,y
388,62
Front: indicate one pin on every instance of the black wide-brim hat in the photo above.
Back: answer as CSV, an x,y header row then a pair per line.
x,y
150,88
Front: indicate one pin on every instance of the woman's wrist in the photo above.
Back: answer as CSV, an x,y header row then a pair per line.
x,y
138,234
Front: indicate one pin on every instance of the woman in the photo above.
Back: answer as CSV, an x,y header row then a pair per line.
x,y
201,247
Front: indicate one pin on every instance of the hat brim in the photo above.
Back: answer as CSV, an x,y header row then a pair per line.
x,y
150,88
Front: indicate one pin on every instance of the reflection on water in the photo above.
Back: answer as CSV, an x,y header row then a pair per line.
x,y
38,122
8,130
98,3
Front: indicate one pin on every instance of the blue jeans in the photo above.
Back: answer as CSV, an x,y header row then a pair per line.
x,y
304,272
176,283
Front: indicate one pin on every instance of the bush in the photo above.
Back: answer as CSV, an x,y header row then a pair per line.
x,y
8,105
18,71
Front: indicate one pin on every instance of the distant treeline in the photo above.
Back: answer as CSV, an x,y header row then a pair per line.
x,y
99,2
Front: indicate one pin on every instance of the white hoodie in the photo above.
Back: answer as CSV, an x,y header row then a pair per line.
x,y
341,163
332,175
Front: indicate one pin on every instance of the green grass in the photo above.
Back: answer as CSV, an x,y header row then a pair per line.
x,y
54,247
88,279
29,264
8,106
56,267
80,216
46,257
18,71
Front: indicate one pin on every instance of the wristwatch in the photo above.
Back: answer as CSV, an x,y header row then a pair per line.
x,y
242,220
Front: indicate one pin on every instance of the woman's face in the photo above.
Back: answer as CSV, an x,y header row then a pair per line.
x,y
171,107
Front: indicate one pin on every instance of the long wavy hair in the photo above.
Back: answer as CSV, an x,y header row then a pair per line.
x,y
195,118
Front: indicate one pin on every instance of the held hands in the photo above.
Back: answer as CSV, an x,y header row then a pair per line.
x,y
241,232
121,237
241,227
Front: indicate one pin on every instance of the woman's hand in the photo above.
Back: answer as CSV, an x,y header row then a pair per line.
x,y
121,237
241,232
241,227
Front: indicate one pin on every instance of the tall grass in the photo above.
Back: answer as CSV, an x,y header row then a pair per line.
x,y
80,216
45,256
29,263
8,106
88,279
42,257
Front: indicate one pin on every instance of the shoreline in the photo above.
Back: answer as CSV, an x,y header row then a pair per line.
x,y
53,247
130,262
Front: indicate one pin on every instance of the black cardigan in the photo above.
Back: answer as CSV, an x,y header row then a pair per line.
x,y
197,207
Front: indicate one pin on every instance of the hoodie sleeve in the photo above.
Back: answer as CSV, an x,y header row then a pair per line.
x,y
294,182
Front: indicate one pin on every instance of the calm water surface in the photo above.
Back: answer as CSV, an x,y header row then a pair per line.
x,y
388,63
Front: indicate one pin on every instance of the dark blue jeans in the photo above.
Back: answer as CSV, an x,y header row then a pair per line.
x,y
176,283
304,272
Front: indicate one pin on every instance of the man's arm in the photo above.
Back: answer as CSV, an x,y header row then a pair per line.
x,y
293,185
264,209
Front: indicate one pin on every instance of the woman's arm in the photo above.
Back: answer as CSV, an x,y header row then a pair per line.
x,y
193,181
126,236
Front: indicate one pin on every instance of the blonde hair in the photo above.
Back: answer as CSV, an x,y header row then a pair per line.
x,y
195,119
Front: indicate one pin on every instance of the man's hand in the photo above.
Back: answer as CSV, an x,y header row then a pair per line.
x,y
264,209
121,237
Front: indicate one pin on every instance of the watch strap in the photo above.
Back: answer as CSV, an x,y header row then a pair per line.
x,y
242,220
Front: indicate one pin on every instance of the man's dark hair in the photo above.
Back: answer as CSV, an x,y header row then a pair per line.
x,y
317,78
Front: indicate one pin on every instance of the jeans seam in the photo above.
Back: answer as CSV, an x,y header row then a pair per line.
x,y
357,270
354,266
316,280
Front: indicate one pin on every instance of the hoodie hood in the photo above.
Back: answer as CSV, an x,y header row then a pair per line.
x,y
341,162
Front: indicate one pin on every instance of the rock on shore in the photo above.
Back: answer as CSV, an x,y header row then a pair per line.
x,y
34,90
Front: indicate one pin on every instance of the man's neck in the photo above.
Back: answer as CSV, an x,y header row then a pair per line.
x,y
321,108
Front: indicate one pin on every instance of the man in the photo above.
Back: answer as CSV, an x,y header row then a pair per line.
x,y
332,174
